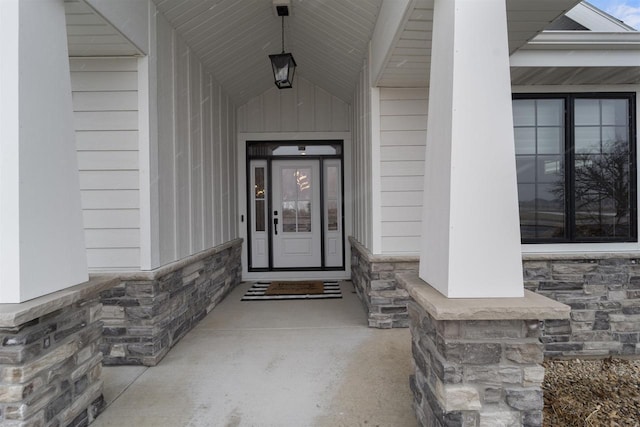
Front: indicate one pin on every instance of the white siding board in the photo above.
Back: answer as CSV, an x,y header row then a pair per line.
x,y
403,123
105,101
400,228
339,115
195,118
104,64
183,157
103,80
402,198
403,93
409,107
166,139
118,258
106,120
401,213
271,110
207,162
322,110
111,218
402,168
225,182
306,105
402,183
289,109
254,115
112,238
217,165
110,199
412,152
117,180
403,137
401,245
107,160
107,140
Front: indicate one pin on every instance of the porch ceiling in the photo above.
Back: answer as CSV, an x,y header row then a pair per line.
x,y
328,38
410,61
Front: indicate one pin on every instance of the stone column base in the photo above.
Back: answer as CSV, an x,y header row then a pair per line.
x,y
477,361
50,360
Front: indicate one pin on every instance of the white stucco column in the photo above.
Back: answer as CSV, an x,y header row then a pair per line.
x,y
471,236
41,235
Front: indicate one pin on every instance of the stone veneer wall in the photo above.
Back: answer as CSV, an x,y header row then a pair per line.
x,y
603,291
147,314
50,361
374,278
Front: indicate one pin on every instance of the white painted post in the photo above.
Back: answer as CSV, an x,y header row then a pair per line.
x,y
471,237
42,247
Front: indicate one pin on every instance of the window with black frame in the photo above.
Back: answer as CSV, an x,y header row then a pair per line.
x,y
575,158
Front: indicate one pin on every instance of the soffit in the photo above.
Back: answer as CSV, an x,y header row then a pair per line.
x,y
89,34
410,61
328,39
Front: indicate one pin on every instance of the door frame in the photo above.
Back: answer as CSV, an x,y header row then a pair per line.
x,y
243,171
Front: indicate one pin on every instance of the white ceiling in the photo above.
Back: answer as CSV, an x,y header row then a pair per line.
x,y
329,40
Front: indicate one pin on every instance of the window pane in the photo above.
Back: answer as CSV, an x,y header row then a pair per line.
x,y
550,169
259,183
615,112
550,140
550,207
612,135
587,112
332,208
289,217
526,166
260,220
332,182
587,140
524,112
527,203
303,182
550,112
304,217
525,139
602,194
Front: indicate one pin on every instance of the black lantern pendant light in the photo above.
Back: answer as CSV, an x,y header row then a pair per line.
x,y
283,64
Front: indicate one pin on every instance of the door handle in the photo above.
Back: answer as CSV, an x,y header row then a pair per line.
x,y
275,225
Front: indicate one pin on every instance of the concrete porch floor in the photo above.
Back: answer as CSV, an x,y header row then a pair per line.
x,y
271,363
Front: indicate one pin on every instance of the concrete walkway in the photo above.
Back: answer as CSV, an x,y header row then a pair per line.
x,y
271,363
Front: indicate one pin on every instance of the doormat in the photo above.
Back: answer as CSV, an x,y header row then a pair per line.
x,y
274,291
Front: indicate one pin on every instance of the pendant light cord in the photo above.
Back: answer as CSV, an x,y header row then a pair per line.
x,y
282,33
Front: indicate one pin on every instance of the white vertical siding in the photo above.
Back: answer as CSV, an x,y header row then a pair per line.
x,y
361,160
196,149
105,103
403,135
303,108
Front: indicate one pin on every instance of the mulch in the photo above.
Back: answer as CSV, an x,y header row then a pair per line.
x,y
588,393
